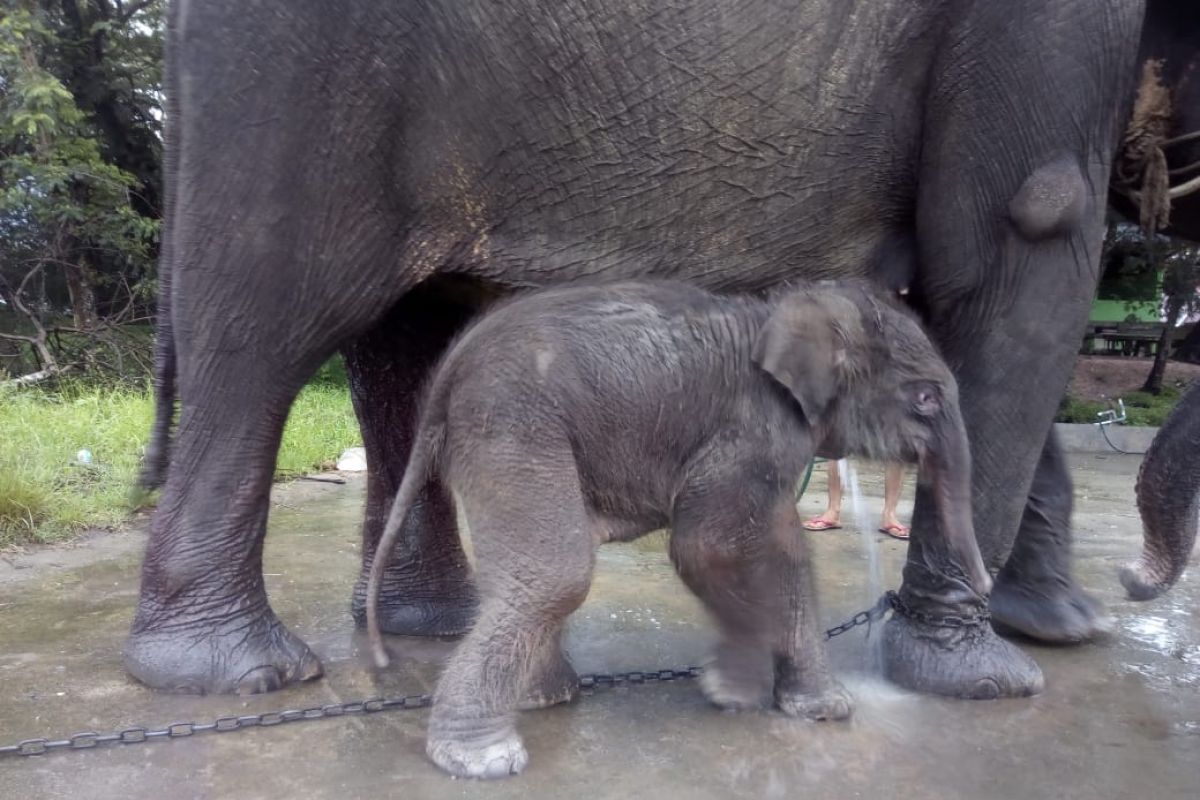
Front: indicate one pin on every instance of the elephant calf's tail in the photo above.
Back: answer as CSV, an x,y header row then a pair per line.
x,y
420,463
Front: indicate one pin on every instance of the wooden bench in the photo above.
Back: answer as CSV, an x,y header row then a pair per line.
x,y
1122,338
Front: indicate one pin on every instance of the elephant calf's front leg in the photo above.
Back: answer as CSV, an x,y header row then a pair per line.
x,y
746,562
804,686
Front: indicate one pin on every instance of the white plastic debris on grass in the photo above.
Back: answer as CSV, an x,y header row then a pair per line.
x,y
353,459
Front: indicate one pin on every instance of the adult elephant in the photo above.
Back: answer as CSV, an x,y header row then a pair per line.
x,y
363,176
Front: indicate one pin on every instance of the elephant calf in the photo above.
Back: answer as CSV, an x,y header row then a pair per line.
x,y
577,416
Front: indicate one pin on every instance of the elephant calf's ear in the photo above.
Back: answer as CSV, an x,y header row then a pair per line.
x,y
798,347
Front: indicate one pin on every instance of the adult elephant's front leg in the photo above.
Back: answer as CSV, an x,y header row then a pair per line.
x,y
203,622
1009,231
427,589
1036,594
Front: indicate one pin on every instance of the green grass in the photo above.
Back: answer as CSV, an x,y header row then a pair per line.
x,y
1080,411
1141,408
44,496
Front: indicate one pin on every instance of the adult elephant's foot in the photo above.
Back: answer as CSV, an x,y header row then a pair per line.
x,y
928,654
414,605
1054,610
247,655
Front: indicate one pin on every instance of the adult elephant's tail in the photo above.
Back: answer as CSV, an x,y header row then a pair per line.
x,y
1168,498
158,450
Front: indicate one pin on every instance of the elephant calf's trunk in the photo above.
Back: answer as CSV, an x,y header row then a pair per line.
x,y
1168,498
950,467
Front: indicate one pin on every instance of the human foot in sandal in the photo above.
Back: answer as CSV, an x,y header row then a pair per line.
x,y
821,523
895,530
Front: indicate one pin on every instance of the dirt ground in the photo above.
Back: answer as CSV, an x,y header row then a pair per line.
x,y
1099,378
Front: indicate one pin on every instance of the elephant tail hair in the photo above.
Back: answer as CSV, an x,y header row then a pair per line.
x,y
421,462
158,451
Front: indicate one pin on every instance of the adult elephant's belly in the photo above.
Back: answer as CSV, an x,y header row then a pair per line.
x,y
536,152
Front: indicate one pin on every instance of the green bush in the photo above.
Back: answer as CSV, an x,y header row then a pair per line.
x,y
46,495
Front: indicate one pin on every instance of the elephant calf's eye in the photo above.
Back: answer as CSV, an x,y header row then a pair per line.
x,y
925,398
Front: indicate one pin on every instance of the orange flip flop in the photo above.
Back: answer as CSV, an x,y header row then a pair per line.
x,y
821,524
896,531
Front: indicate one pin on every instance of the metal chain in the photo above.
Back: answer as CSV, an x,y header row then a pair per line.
x,y
885,603
939,620
179,730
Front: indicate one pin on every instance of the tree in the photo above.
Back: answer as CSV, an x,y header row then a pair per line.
x,y
79,177
1181,278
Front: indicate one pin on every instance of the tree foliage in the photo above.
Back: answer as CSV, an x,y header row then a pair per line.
x,y
80,181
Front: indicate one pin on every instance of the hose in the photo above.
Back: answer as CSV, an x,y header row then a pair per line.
x,y
1104,432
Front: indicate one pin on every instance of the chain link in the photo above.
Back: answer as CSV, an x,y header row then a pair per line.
x,y
587,683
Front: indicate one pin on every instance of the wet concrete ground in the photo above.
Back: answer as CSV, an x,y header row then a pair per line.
x,y
1117,720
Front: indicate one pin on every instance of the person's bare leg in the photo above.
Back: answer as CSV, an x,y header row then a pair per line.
x,y
831,517
892,481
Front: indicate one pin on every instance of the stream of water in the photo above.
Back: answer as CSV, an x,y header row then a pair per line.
x,y
874,576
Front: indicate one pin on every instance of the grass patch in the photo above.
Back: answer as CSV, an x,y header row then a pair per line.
x,y
1141,408
46,496
322,424
1079,411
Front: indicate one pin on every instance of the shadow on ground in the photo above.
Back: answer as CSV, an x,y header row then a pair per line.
x,y
1119,719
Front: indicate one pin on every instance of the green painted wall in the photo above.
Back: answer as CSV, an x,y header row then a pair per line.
x,y
1119,310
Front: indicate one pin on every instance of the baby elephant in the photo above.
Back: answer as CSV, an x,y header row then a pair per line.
x,y
577,416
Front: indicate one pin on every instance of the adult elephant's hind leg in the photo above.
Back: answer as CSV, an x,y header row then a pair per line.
x,y
427,589
1036,594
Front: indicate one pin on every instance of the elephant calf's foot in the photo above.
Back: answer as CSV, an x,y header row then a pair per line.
x,y
556,684
970,662
495,757
235,656
737,681
1055,611
831,702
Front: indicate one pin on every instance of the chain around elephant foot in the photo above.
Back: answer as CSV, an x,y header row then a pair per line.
x,y
1055,610
955,655
428,602
251,653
